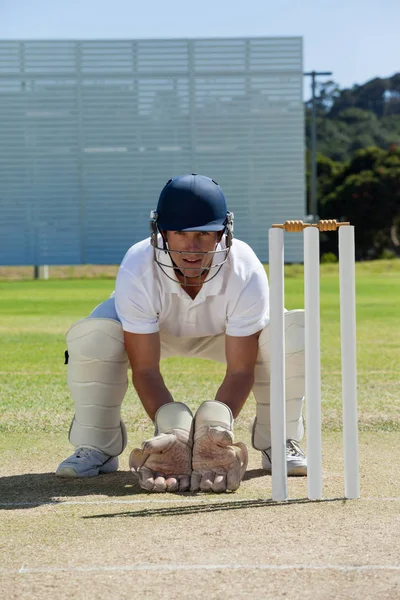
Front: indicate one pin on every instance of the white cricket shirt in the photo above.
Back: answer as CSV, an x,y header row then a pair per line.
x,y
235,302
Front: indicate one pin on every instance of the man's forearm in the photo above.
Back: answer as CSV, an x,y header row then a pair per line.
x,y
235,390
151,390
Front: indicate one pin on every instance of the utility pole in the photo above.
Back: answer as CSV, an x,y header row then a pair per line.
x,y
313,183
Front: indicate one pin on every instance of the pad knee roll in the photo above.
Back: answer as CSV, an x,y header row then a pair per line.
x,y
294,382
98,380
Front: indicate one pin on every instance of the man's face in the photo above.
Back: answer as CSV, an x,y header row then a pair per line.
x,y
184,247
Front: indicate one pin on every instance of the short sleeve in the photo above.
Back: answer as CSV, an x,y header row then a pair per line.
x,y
134,305
250,313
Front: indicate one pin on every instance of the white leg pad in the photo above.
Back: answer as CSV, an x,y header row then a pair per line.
x,y
98,380
294,381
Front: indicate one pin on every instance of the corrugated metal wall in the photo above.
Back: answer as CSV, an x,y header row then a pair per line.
x,y
91,130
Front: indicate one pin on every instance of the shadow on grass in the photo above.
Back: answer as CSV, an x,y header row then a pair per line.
x,y
36,489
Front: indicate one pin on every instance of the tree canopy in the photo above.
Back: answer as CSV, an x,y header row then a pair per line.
x,y
358,162
366,192
351,119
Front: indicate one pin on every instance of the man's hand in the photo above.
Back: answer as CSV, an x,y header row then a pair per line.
x,y
219,464
163,464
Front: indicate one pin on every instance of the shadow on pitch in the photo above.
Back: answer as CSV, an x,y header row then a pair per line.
x,y
210,507
31,490
36,489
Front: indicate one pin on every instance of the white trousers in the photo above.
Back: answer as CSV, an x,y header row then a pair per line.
x,y
213,348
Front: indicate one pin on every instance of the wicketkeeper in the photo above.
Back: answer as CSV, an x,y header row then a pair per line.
x,y
188,290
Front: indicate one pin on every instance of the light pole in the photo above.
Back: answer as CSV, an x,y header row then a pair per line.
x,y
313,186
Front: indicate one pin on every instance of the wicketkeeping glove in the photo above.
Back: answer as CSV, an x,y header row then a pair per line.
x,y
218,463
163,464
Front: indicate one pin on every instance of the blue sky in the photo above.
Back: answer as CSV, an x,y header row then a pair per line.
x,y
355,39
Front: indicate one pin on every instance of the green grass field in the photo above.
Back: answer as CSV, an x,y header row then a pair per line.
x,y
34,316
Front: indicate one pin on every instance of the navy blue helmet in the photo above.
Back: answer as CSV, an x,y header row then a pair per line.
x,y
192,203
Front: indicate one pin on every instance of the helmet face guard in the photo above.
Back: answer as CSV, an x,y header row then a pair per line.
x,y
191,203
212,261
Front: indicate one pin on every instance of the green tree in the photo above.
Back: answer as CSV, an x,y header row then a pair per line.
x,y
392,96
366,191
351,119
369,96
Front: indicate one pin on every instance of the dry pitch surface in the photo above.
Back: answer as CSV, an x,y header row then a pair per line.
x,y
105,538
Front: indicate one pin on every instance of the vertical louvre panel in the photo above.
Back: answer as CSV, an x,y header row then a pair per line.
x,y
91,131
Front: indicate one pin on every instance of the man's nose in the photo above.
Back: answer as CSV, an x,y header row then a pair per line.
x,y
192,245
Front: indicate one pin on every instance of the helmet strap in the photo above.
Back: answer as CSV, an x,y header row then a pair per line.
x,y
154,231
153,228
229,229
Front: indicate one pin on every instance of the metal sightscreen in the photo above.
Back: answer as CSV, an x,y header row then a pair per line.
x,y
91,130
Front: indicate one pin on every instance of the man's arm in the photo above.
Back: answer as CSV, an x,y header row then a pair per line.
x,y
144,356
241,356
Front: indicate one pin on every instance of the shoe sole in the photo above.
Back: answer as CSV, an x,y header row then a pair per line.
x,y
69,472
299,471
295,472
110,466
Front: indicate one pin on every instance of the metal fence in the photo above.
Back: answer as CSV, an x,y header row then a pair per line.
x,y
91,130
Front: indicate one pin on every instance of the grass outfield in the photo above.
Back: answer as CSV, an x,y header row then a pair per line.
x,y
34,316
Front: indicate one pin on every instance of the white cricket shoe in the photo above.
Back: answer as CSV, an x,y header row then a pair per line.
x,y
296,459
87,462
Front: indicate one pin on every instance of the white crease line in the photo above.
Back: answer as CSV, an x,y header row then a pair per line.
x,y
194,500
207,567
